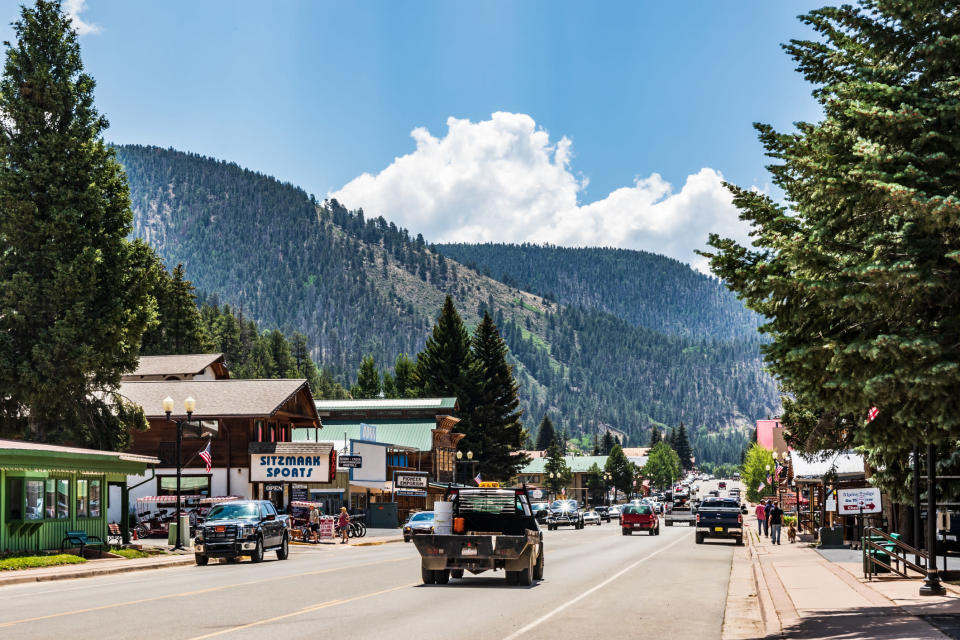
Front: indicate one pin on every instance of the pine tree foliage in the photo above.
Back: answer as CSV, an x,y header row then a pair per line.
x,y
859,273
74,291
446,367
368,380
179,328
608,443
684,452
546,434
495,413
655,436
556,465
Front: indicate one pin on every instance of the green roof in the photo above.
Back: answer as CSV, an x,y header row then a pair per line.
x,y
577,464
377,404
417,434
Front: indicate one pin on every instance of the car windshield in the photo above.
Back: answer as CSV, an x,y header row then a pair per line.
x,y
538,506
643,510
565,505
720,503
423,515
233,510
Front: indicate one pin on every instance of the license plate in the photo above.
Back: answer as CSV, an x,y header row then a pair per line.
x,y
468,551
718,528
636,526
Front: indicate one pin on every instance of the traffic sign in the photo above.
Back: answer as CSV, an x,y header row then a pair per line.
x,y
351,462
854,501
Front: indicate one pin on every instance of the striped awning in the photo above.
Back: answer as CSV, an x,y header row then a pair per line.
x,y
169,499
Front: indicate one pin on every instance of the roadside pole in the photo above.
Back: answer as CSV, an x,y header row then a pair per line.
x,y
931,584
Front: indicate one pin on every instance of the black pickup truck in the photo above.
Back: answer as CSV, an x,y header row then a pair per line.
x,y
493,528
241,528
719,518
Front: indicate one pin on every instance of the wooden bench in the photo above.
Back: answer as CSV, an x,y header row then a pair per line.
x,y
81,539
114,534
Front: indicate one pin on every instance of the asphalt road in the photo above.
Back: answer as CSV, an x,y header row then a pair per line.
x,y
597,582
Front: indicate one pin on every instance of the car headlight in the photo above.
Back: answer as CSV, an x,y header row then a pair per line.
x,y
247,530
200,533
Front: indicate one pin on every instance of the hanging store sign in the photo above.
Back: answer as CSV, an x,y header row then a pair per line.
x,y
410,483
856,501
312,468
351,462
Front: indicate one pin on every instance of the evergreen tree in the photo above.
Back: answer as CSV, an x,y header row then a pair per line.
x,y
446,366
672,439
683,449
619,467
608,442
497,434
594,483
546,435
389,385
303,364
858,275
596,445
403,368
655,437
179,327
74,291
556,464
283,362
368,380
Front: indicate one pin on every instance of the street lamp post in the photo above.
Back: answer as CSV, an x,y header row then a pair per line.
x,y
457,466
931,584
189,404
553,490
606,485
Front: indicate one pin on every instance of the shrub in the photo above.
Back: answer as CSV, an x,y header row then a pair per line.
x,y
28,562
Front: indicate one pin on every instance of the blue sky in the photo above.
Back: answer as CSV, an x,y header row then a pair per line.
x,y
318,93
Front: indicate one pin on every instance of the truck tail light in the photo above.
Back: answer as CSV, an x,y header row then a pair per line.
x,y
698,518
740,518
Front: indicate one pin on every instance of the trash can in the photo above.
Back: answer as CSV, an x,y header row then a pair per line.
x,y
184,527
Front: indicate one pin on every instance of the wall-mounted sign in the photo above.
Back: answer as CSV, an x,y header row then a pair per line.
x,y
410,493
351,462
270,466
856,501
299,492
410,483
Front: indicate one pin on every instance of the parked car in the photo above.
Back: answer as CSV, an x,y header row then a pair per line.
x,y
419,522
565,512
615,511
241,528
540,511
640,518
592,517
604,513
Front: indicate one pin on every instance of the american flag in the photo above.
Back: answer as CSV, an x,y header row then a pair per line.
x,y
769,479
207,458
760,488
478,479
776,471
872,414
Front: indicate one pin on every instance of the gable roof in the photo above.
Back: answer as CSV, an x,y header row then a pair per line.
x,y
174,365
219,398
17,454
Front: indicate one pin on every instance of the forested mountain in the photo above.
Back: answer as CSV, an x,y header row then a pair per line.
x,y
359,286
645,289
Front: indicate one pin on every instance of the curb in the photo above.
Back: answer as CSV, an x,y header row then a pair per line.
x,y
772,625
93,573
374,543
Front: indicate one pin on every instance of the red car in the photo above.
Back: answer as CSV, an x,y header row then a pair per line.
x,y
639,518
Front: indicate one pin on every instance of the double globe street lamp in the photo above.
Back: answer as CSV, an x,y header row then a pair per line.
x,y
189,405
460,462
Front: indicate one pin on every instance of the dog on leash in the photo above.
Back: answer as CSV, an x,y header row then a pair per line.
x,y
792,533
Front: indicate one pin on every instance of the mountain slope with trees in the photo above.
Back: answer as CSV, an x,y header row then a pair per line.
x,y
357,286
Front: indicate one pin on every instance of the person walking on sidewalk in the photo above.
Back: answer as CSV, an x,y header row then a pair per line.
x,y
315,523
344,523
775,522
767,509
761,512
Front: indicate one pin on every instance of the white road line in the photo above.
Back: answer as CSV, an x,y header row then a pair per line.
x,y
566,604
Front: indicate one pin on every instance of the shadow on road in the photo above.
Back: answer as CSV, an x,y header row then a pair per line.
x,y
477,583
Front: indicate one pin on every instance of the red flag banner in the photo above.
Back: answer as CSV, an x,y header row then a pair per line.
x,y
872,414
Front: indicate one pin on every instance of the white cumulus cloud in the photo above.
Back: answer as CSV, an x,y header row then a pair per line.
x,y
504,180
74,8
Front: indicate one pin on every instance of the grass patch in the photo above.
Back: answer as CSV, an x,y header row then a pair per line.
x,y
29,562
130,553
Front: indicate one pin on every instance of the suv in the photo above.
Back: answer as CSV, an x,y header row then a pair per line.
x,y
241,528
564,512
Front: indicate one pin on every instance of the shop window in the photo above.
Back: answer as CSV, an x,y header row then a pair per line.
x,y
50,499
82,496
94,498
34,500
15,499
63,499
259,431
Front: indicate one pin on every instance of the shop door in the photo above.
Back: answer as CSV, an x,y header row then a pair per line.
x,y
274,493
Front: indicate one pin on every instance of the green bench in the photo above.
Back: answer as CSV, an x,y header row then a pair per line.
x,y
81,539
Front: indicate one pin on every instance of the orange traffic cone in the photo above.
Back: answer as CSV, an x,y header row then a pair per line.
x,y
135,534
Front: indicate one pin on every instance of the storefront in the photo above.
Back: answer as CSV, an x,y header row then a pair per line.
x,y
47,490
282,471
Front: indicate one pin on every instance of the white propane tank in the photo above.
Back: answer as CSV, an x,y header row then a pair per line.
x,y
443,517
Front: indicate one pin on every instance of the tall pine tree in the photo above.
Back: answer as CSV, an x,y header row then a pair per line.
x,y
496,432
546,434
683,448
74,291
368,380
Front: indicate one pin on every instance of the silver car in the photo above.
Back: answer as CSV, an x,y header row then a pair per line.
x,y
592,517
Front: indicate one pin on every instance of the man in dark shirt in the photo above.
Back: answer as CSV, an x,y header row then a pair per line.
x,y
775,520
767,508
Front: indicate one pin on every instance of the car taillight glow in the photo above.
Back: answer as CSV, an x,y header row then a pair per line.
x,y
698,518
740,518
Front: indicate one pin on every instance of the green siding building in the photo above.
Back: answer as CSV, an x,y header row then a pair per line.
x,y
47,490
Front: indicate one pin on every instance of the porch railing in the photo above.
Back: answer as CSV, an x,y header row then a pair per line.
x,y
894,550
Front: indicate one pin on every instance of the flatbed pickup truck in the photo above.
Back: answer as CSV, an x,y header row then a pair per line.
x,y
720,518
682,512
493,528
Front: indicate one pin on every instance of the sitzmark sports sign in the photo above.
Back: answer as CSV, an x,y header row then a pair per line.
x,y
855,501
268,466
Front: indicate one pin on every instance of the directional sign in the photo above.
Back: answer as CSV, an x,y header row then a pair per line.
x,y
350,462
854,501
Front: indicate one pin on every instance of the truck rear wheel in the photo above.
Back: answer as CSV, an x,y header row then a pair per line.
x,y
525,576
669,523
739,541
699,538
441,576
627,532
427,575
538,568
456,573
511,577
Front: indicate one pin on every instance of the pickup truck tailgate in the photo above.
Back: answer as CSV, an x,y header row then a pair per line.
x,y
467,546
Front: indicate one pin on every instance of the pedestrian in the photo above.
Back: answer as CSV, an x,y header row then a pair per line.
x,y
767,510
315,523
761,518
775,522
344,523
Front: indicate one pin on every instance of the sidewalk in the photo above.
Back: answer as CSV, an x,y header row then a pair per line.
x,y
799,593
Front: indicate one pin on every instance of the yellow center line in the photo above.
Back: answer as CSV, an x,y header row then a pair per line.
x,y
193,593
305,610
